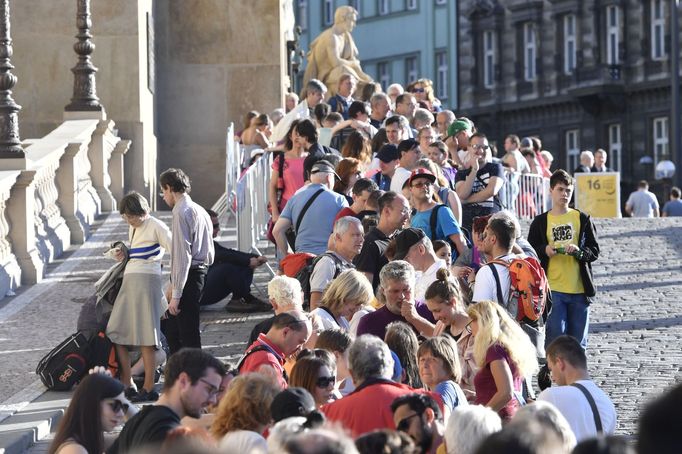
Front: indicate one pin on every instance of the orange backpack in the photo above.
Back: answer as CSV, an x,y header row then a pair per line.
x,y
529,288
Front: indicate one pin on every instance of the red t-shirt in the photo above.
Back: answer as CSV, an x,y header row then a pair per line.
x,y
272,356
345,212
484,383
369,407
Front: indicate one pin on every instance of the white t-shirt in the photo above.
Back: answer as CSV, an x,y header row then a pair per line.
x,y
485,287
573,404
427,278
328,321
399,178
324,270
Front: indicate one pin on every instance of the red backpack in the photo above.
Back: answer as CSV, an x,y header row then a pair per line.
x,y
529,288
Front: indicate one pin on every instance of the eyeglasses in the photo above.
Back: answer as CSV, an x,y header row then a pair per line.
x,y
404,423
116,406
480,146
212,390
418,90
468,327
324,382
421,184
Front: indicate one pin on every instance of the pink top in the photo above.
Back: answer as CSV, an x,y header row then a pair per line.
x,y
293,176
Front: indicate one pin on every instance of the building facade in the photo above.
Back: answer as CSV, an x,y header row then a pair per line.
x,y
581,74
398,40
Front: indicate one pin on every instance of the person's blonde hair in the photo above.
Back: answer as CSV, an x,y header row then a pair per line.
x,y
245,405
495,326
351,285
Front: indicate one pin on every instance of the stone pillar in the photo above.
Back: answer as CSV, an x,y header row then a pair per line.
x,y
101,146
21,215
116,170
67,182
84,86
10,143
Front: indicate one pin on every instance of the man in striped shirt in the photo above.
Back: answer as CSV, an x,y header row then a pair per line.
x,y
191,255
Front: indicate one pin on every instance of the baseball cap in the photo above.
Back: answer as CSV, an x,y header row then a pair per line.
x,y
457,127
323,166
388,153
292,402
405,240
421,172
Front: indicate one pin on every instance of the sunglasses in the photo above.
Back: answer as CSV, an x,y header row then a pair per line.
x,y
404,423
418,90
324,382
116,406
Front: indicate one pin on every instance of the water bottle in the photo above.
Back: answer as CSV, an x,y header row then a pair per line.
x,y
578,254
560,250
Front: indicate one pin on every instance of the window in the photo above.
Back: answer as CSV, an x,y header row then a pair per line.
x,y
612,35
383,75
569,44
572,149
442,75
303,14
411,70
488,59
661,151
529,51
328,12
615,146
411,4
657,30
383,7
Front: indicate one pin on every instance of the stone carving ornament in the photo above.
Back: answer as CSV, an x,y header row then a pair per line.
x,y
334,53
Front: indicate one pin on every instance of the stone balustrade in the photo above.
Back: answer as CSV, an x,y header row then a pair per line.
x,y
70,176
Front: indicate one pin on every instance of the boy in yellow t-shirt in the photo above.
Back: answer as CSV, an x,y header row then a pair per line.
x,y
566,243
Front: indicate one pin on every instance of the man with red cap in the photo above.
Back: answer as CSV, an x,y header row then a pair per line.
x,y
429,213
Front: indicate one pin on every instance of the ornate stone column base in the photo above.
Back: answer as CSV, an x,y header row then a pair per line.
x,y
21,215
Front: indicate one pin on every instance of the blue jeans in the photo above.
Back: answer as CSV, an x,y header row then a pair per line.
x,y
570,315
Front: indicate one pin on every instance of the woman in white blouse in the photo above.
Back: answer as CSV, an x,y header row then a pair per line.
x,y
136,316
344,297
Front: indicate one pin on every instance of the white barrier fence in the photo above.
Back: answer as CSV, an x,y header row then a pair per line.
x,y
526,195
252,203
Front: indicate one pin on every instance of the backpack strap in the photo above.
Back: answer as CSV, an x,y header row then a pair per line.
x,y
433,220
260,348
593,406
496,276
305,209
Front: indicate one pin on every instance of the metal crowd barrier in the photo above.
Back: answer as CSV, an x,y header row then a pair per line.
x,y
526,195
232,169
252,203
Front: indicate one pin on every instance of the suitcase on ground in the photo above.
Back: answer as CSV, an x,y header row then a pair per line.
x,y
66,364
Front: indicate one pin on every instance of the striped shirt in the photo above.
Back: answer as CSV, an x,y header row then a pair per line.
x,y
192,241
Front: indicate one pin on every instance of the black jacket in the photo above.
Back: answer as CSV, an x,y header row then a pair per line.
x,y
233,256
587,242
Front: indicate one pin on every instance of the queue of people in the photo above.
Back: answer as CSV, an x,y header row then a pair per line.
x,y
400,323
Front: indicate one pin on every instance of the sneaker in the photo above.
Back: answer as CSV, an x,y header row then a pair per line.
x,y
145,396
130,393
242,306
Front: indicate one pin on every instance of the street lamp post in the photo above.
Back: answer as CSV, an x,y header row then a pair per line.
x,y
84,89
10,143
675,120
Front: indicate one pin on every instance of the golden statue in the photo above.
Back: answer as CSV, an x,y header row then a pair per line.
x,y
334,53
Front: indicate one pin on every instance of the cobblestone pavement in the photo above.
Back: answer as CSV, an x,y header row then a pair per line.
x,y
634,346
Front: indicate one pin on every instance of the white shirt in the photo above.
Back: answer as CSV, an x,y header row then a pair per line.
x,y
399,178
427,278
485,287
573,404
329,322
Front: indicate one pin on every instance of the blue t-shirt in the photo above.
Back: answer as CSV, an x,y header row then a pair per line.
x,y
446,224
673,208
318,221
451,393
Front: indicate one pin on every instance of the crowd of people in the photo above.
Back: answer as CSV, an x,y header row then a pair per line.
x,y
399,323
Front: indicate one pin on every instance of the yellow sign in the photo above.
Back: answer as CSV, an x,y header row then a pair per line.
x,y
598,194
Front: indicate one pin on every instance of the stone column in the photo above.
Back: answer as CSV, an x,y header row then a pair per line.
x,y
22,234
10,144
84,87
116,170
67,181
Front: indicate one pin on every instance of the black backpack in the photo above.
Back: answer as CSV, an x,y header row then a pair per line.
x,y
103,353
304,274
66,364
